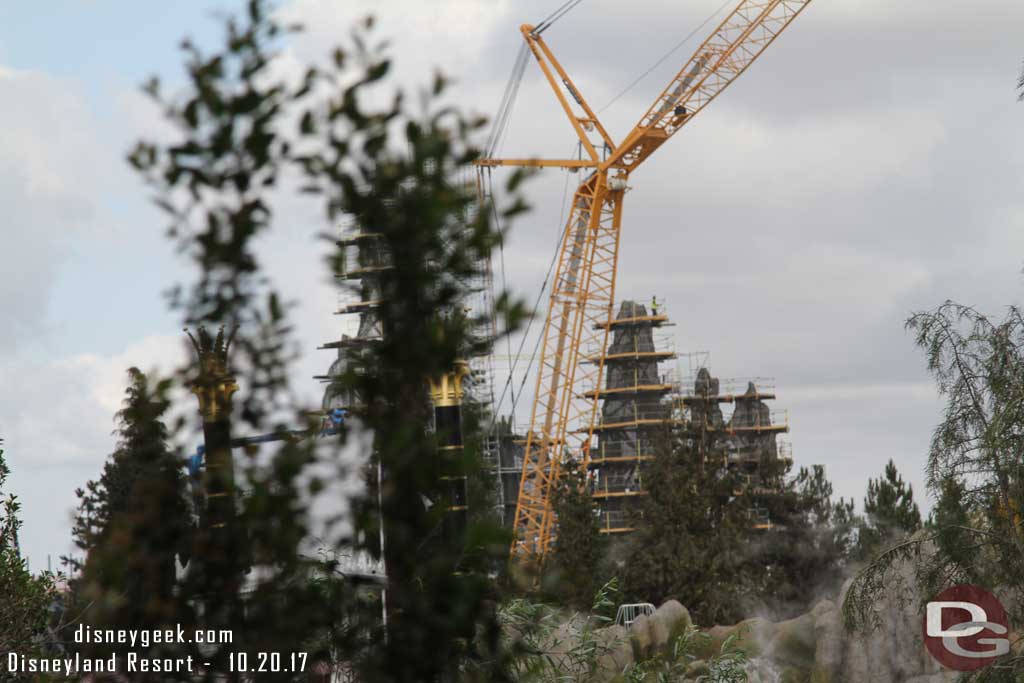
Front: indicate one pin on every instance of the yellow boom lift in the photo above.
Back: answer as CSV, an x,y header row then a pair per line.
x,y
583,291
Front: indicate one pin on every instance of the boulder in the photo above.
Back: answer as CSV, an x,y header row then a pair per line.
x,y
675,618
793,643
751,637
618,652
829,644
564,639
651,634
696,668
659,631
792,674
640,637
819,675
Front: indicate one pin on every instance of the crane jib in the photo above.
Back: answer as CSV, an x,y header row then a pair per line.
x,y
567,393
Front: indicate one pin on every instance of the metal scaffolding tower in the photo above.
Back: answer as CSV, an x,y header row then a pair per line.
x,y
634,409
745,443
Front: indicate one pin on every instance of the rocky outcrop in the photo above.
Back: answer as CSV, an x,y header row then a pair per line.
x,y
649,635
812,648
816,647
617,651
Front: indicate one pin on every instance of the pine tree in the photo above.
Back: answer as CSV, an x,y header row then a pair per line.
x,y
809,545
577,566
25,607
974,471
890,512
689,538
951,524
134,523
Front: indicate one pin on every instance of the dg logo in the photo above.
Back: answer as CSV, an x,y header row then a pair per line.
x,y
966,628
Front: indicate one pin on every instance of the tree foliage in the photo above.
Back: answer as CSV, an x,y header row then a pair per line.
x,y
544,650
727,548
689,542
890,512
134,524
974,469
243,130
27,598
578,566
809,545
554,645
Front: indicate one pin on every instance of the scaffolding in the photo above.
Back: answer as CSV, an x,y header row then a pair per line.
x,y
363,260
744,441
510,447
727,421
498,453
635,407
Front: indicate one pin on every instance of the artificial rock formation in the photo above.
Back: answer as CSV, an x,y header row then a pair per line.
x,y
814,647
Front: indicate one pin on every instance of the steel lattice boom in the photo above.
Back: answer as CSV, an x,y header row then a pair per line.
x,y
582,296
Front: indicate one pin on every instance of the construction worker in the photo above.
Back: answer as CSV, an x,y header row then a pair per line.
x,y
654,305
337,417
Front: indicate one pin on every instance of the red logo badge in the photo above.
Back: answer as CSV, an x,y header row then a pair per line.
x,y
966,628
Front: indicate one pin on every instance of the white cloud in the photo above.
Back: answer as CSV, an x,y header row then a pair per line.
x,y
49,175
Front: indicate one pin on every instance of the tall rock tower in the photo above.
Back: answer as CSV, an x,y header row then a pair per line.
x,y
634,409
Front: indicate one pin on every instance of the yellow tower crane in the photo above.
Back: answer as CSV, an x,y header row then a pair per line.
x,y
580,311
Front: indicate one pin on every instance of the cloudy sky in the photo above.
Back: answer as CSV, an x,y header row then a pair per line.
x,y
866,167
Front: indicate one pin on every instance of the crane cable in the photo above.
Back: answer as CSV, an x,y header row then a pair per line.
x,y
495,138
555,16
668,54
508,99
514,361
504,281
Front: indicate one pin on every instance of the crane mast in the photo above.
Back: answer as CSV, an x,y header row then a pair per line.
x,y
581,303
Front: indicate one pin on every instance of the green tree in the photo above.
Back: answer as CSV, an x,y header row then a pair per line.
x,y
804,553
134,524
889,510
690,536
952,532
27,598
242,126
577,566
974,469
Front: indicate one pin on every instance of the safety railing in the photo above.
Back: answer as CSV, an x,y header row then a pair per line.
x,y
624,445
613,520
362,257
639,376
758,420
759,518
659,343
784,450
732,386
616,482
632,415
627,614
